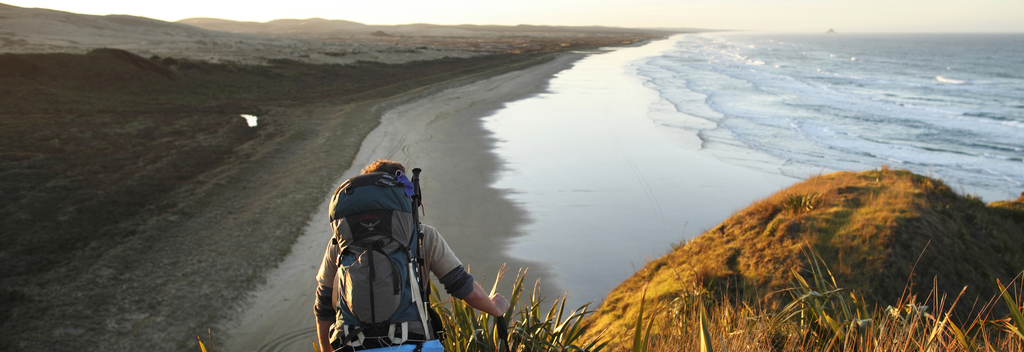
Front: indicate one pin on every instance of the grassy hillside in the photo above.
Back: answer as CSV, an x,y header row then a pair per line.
x,y
886,235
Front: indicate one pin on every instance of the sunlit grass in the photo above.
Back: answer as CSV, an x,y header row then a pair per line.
x,y
822,316
889,237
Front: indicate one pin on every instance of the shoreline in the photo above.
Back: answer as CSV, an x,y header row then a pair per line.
x,y
438,129
622,186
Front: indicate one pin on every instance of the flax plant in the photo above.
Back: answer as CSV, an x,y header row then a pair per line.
x,y
531,327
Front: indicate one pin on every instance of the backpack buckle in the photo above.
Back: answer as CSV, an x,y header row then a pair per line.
x,y
358,341
404,334
380,243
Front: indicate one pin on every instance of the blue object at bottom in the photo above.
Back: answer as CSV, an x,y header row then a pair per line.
x,y
429,346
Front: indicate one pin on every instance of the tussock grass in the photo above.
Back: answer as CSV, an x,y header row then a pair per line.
x,y
889,236
1011,209
822,316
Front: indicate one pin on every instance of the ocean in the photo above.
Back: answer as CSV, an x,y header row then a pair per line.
x,y
950,106
636,148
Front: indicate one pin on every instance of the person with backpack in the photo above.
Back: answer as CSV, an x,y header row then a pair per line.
x,y
373,285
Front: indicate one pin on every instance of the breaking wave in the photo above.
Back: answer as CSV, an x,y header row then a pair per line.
x,y
881,109
950,81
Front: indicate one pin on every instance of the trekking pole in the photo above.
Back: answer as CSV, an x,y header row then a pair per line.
x,y
420,295
417,196
502,331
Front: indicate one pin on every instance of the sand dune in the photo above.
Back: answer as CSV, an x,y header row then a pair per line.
x,y
284,26
315,27
35,30
315,40
42,30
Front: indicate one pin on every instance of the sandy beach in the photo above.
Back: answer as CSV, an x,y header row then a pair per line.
x,y
441,133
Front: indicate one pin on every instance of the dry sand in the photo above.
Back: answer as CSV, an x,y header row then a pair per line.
x,y
442,134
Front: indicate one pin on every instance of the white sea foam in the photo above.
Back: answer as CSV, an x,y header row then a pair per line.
x,y
1017,124
846,117
993,156
947,80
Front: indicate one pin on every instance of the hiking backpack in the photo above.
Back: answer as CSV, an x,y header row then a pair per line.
x,y
378,287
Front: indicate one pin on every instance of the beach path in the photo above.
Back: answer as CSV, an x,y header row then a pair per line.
x,y
439,131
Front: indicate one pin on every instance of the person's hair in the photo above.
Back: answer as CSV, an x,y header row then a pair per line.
x,y
384,165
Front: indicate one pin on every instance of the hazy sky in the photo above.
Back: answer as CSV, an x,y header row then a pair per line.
x,y
767,15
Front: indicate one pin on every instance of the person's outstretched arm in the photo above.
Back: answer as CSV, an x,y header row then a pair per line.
x,y
495,305
457,282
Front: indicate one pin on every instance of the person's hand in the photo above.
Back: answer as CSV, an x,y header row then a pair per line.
x,y
500,302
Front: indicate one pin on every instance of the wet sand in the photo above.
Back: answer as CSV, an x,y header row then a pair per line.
x,y
440,132
609,179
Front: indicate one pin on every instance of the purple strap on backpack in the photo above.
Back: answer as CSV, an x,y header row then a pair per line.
x,y
406,184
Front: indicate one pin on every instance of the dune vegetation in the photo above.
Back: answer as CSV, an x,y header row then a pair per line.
x,y
882,259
